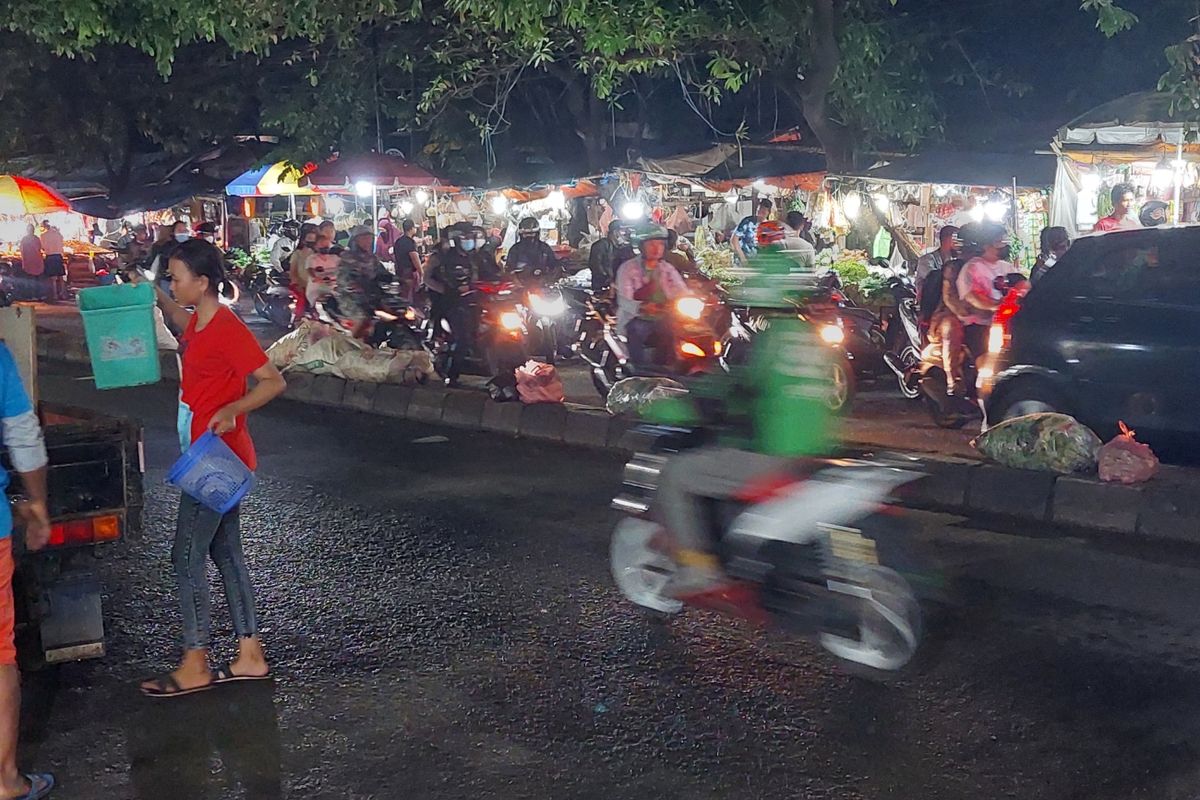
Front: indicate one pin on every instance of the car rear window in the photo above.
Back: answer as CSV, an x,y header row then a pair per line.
x,y
1156,266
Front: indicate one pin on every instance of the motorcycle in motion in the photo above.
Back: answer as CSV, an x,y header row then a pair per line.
x,y
484,333
812,552
688,345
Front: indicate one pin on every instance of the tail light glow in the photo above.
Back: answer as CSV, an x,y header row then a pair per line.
x,y
998,335
692,349
91,530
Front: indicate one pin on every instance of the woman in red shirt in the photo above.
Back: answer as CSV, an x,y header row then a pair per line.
x,y
218,355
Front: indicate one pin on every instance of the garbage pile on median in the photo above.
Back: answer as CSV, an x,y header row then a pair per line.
x,y
319,349
1050,442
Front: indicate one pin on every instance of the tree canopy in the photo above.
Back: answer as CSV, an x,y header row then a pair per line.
x,y
452,78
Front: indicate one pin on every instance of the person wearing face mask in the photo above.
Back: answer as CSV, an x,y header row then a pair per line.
x,y
169,237
977,282
530,253
483,260
207,231
451,278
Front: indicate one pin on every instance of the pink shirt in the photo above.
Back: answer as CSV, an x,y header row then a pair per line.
x,y
52,242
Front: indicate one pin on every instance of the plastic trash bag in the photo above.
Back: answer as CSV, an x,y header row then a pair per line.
x,y
631,395
288,349
1126,460
539,383
1047,442
320,357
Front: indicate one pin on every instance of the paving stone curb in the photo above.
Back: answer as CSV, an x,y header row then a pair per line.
x,y
1167,508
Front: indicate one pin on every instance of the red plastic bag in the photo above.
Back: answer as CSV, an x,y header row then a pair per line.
x,y
1126,460
539,383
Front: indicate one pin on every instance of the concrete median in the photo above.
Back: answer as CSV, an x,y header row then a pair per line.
x,y
1167,508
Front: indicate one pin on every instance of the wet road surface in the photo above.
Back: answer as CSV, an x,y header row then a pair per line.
x,y
442,625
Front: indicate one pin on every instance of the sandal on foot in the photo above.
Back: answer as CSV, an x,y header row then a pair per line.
x,y
225,674
167,686
40,786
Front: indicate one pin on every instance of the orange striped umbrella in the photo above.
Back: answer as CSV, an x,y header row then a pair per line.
x,y
21,196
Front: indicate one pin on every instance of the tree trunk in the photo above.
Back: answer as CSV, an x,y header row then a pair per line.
x,y
587,113
812,94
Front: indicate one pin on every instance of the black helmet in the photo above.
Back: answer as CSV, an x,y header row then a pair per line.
x,y
459,231
528,225
290,228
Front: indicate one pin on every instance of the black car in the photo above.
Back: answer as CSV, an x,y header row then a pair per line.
x,y
1111,333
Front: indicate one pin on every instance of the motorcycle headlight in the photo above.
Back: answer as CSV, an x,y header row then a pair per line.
x,y
547,305
692,349
690,307
832,334
510,321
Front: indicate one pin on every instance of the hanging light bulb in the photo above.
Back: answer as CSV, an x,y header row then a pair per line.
x,y
406,207
977,213
422,196
882,202
499,204
633,210
995,210
557,200
1163,174
364,188
851,205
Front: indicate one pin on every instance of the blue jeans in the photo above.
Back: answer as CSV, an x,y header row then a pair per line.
x,y
202,532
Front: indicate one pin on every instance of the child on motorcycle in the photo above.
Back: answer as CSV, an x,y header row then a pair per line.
x,y
767,413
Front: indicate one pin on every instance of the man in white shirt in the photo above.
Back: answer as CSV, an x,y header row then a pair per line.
x,y
977,283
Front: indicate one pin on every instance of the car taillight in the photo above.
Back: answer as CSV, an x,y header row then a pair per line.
x,y
92,530
1002,321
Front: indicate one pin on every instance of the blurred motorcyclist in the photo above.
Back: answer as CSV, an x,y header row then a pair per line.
x,y
529,253
360,279
289,234
645,284
767,412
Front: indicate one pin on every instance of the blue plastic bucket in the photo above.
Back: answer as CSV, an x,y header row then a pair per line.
x,y
118,323
211,473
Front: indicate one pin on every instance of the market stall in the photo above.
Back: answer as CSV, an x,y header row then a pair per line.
x,y
1134,140
921,194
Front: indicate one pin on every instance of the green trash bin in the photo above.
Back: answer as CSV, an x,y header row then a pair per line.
x,y
118,322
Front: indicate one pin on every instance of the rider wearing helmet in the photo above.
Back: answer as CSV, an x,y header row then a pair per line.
x,y
772,408
644,285
289,233
360,281
529,253
449,280
483,259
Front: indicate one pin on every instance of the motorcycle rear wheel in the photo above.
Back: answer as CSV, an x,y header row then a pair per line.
x,y
642,572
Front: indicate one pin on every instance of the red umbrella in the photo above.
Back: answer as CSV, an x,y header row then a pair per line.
x,y
20,196
374,168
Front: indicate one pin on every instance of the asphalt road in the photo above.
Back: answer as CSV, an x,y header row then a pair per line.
x,y
442,625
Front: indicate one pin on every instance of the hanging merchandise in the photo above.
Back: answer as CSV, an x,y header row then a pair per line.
x,y
882,248
680,221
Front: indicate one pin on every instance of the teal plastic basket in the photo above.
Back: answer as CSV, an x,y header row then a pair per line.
x,y
118,322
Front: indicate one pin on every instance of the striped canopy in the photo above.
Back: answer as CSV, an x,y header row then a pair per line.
x,y
280,178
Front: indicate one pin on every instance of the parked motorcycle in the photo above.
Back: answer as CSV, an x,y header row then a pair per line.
x,y
273,299
812,553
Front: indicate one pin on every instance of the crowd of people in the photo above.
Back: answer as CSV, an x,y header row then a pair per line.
x,y
43,261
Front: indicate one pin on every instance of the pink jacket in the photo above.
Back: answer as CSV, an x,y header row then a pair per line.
x,y
632,276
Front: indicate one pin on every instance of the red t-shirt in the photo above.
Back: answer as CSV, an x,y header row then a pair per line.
x,y
216,363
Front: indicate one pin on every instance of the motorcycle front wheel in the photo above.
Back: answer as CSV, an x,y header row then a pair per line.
x,y
889,620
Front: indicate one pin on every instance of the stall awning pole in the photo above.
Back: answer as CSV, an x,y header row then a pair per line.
x,y
1178,172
